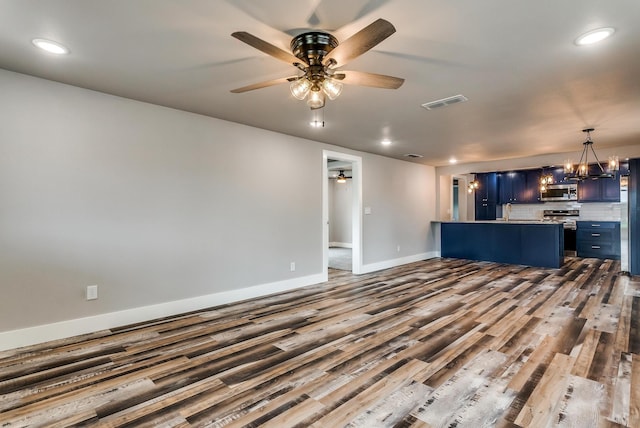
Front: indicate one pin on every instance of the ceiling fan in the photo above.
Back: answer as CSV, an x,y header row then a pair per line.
x,y
341,178
319,55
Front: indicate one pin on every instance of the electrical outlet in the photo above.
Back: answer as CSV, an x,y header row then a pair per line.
x,y
398,248
92,292
292,266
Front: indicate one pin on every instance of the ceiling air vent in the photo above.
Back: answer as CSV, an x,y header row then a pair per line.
x,y
445,102
413,155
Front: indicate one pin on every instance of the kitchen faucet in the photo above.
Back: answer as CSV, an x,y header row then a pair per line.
x,y
507,212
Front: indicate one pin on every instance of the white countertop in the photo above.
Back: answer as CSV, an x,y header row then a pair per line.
x,y
500,221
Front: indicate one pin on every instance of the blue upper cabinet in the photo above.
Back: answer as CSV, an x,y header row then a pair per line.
x,y
512,187
599,190
532,190
589,191
624,168
486,196
610,189
519,187
523,187
558,175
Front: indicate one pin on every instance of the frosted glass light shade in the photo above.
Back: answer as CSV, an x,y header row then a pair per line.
x,y
316,99
332,88
300,88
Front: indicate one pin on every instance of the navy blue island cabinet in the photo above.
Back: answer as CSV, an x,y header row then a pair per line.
x,y
523,243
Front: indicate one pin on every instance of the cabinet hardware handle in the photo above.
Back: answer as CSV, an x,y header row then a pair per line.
x,y
595,247
595,234
595,225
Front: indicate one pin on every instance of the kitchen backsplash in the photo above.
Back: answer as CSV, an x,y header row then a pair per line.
x,y
601,211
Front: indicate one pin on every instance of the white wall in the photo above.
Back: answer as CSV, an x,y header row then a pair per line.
x,y
156,206
446,197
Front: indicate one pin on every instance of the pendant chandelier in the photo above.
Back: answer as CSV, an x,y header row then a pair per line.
x,y
583,170
545,180
473,185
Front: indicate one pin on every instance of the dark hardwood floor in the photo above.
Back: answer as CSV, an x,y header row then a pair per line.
x,y
439,343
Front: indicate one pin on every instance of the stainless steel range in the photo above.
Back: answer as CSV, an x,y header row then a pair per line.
x,y
568,219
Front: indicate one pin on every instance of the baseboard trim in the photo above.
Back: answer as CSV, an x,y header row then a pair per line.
x,y
341,244
64,329
373,267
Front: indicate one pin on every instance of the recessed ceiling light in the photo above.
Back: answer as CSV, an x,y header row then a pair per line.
x,y
50,46
385,142
594,36
453,160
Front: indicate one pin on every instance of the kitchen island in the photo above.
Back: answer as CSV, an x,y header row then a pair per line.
x,y
531,243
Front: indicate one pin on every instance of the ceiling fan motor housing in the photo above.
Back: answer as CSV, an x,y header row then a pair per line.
x,y
312,47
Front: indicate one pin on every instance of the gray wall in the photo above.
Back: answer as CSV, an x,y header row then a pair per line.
x,y
156,205
340,210
402,207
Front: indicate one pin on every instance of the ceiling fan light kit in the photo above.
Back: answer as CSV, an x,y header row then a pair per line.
x,y
316,99
318,55
300,88
341,178
332,88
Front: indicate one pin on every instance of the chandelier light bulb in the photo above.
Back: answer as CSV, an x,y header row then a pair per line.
x,y
568,167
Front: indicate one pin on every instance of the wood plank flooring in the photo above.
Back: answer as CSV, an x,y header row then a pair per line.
x,y
439,343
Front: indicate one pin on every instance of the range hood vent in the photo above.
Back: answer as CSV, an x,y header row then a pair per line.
x,y
445,102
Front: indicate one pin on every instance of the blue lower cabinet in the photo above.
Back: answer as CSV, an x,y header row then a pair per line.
x,y
539,245
598,239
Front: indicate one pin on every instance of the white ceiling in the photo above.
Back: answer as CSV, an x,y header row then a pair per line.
x,y
531,89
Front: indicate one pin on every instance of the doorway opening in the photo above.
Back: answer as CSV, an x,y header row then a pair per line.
x,y
458,203
455,215
340,214
342,208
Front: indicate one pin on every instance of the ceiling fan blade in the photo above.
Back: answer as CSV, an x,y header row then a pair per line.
x,y
360,43
266,47
264,84
373,80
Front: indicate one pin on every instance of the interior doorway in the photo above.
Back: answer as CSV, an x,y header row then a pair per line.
x,y
344,228
459,198
340,214
455,213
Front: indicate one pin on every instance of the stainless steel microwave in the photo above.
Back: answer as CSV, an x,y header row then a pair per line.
x,y
560,192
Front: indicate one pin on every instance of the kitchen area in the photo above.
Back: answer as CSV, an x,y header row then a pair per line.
x,y
537,217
